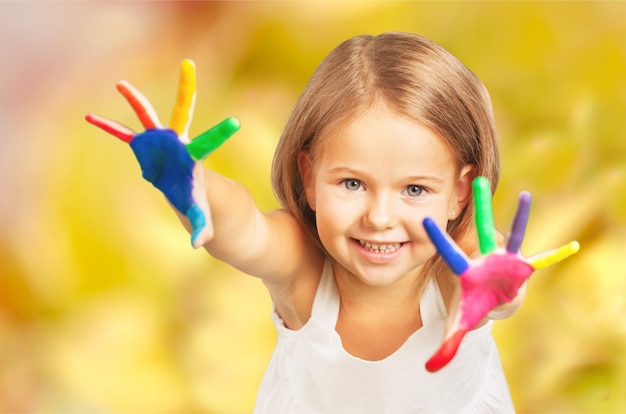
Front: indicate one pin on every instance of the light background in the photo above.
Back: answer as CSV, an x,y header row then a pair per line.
x,y
104,306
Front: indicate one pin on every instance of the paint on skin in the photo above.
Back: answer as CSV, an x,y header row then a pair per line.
x,y
492,279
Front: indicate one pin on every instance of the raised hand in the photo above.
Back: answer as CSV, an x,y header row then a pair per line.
x,y
168,158
492,279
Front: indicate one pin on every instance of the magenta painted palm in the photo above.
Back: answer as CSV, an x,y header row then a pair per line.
x,y
168,158
494,278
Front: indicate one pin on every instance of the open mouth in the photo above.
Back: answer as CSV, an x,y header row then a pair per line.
x,y
380,248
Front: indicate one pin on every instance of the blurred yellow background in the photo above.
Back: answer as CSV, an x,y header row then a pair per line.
x,y
105,307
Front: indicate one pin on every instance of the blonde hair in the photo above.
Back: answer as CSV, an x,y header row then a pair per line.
x,y
413,76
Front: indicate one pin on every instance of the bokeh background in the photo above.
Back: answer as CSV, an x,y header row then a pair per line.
x,y
105,307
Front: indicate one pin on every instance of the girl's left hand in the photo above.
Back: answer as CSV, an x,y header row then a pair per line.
x,y
494,278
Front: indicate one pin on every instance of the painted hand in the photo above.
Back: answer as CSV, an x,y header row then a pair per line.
x,y
168,159
494,278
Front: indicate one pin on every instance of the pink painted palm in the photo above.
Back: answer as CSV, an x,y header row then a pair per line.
x,y
491,280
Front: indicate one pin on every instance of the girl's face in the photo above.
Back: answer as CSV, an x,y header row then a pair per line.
x,y
371,187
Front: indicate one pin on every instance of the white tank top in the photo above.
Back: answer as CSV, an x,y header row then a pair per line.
x,y
310,372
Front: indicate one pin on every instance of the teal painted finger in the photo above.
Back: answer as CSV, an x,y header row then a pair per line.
x,y
484,215
207,142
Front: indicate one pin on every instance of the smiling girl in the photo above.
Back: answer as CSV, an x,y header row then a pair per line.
x,y
390,129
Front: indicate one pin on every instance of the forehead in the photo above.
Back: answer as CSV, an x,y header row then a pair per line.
x,y
384,140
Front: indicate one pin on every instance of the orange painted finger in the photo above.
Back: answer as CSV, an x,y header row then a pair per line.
x,y
140,104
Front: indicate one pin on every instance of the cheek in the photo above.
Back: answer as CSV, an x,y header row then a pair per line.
x,y
330,217
435,208
333,217
438,215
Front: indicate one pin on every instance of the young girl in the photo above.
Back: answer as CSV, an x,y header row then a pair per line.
x,y
390,129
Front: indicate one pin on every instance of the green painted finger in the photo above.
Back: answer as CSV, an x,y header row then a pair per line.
x,y
207,142
484,215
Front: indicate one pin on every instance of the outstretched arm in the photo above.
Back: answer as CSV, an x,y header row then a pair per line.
x,y
219,213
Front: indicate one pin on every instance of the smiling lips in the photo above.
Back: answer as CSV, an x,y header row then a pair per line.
x,y
380,248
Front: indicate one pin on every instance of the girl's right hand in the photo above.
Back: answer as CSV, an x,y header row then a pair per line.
x,y
168,159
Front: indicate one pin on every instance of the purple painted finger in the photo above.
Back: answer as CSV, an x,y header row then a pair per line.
x,y
519,223
451,254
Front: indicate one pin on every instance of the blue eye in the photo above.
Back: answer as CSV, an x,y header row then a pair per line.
x,y
352,184
414,190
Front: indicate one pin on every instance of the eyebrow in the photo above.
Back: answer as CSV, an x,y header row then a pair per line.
x,y
352,171
432,178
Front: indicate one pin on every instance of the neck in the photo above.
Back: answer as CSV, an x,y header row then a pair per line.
x,y
404,292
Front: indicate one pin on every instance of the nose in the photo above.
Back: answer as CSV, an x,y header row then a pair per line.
x,y
380,214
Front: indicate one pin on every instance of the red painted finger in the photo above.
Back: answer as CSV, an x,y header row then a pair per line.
x,y
114,128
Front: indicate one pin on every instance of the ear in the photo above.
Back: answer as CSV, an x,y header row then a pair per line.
x,y
463,191
305,168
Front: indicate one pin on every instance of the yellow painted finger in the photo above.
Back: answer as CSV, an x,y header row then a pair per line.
x,y
554,256
185,100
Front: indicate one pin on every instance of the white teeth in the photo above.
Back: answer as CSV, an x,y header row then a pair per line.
x,y
381,248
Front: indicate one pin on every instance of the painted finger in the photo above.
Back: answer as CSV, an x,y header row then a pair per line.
x,y
484,215
446,351
185,100
551,257
140,104
199,214
519,223
114,128
207,142
455,258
